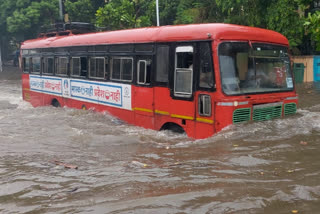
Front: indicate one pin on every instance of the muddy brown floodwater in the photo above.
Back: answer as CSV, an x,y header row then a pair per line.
x,y
264,167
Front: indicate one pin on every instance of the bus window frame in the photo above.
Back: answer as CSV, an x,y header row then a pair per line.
x,y
56,65
198,73
24,59
45,65
121,70
145,72
169,67
177,94
89,67
250,42
71,66
32,68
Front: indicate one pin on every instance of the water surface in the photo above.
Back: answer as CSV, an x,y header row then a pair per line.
x,y
264,167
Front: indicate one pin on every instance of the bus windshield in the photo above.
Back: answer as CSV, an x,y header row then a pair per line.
x,y
260,68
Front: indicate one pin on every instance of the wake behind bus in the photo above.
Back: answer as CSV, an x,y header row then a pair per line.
x,y
196,79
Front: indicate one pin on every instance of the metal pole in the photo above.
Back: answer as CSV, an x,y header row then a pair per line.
x,y
157,9
60,11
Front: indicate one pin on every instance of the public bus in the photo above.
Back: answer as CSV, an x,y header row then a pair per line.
x,y
196,78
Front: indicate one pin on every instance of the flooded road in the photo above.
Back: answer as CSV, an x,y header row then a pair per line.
x,y
264,167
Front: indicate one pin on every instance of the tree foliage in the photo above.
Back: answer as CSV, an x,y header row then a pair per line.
x,y
82,10
282,16
121,14
23,18
28,16
312,24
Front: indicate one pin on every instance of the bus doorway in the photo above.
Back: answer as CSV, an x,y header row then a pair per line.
x,y
143,93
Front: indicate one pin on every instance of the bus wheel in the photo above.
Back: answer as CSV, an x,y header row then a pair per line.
x,y
84,107
172,127
55,103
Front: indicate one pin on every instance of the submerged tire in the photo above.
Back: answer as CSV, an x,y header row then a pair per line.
x,y
173,127
55,103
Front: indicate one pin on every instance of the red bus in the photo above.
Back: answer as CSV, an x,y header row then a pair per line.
x,y
195,79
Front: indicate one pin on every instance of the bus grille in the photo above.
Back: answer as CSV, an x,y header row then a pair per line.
x,y
241,115
290,108
267,113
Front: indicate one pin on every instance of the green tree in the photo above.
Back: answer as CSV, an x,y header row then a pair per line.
x,y
244,12
283,16
28,17
82,10
312,25
122,14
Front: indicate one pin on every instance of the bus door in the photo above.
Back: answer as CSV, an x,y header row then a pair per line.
x,y
182,105
143,93
205,92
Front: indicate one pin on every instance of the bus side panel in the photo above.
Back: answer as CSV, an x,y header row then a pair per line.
x,y
179,112
161,106
143,106
223,117
36,98
25,87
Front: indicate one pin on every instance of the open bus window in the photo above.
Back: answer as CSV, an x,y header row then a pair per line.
x,y
143,72
48,65
162,65
26,64
183,74
97,67
75,66
36,65
61,66
122,68
206,77
257,69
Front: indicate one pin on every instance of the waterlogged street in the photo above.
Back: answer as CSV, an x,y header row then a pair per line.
x,y
264,167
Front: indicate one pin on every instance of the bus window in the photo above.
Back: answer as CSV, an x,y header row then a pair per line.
x,y
183,71
84,66
122,68
36,65
75,66
26,64
204,105
61,66
206,77
97,67
48,65
162,69
143,72
257,69
127,69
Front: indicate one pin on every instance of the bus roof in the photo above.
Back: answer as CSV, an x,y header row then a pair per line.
x,y
193,32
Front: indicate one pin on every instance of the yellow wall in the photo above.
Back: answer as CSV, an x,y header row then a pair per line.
x,y
308,63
